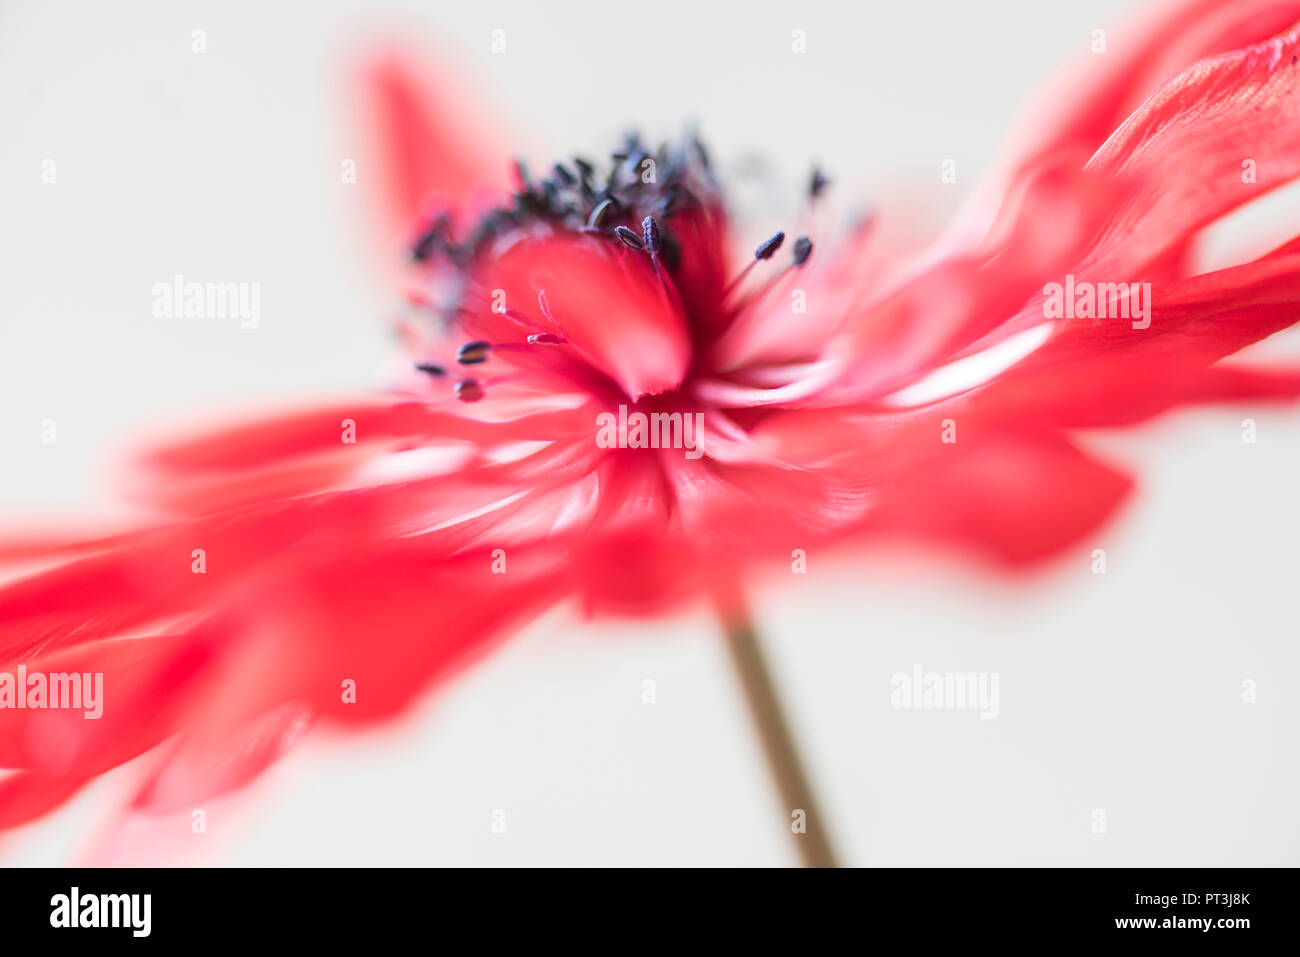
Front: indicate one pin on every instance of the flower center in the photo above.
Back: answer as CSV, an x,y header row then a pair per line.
x,y
665,204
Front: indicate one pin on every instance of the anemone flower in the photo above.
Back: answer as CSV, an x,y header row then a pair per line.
x,y
603,406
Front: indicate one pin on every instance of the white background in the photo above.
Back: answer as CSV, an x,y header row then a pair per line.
x,y
1119,692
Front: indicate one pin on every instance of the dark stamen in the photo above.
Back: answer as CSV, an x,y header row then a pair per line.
x,y
669,203
546,339
601,212
552,198
430,239
423,247
583,197
701,152
650,236
630,239
769,247
528,204
472,353
431,368
817,183
802,250
766,250
468,390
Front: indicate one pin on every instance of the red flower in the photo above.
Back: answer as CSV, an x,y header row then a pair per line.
x,y
338,561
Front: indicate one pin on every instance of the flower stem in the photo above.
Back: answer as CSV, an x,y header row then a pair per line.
x,y
778,743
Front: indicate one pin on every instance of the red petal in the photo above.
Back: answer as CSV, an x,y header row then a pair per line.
x,y
147,684
1018,497
1012,490
1108,373
1186,145
608,302
1043,229
1076,114
195,770
298,453
431,141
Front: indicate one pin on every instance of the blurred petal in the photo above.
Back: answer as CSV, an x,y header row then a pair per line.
x,y
1078,112
1013,518
431,144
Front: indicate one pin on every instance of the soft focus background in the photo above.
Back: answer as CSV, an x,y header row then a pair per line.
x,y
1120,692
